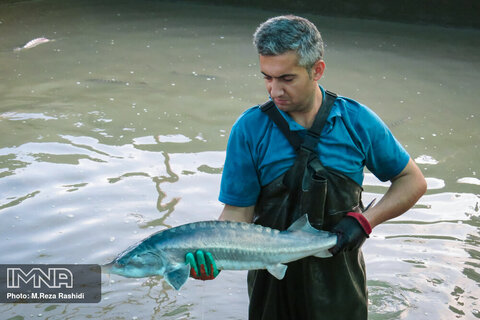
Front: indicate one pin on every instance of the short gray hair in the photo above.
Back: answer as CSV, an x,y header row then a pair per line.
x,y
281,34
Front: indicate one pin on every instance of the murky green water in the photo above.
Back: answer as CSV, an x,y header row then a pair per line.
x,y
118,129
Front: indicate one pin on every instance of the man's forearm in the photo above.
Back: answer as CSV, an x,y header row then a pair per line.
x,y
240,214
404,192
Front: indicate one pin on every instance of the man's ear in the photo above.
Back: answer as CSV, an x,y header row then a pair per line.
x,y
318,69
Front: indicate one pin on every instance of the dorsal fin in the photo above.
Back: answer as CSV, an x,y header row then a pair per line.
x,y
302,225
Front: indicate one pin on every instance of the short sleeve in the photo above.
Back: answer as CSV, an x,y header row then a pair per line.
x,y
385,156
240,184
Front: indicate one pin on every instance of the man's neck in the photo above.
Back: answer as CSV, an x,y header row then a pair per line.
x,y
307,117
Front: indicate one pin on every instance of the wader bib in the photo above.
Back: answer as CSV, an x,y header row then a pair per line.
x,y
313,288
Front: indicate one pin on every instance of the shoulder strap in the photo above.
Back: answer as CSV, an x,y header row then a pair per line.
x,y
313,134
275,115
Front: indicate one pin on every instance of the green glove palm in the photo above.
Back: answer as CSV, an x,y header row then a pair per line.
x,y
202,265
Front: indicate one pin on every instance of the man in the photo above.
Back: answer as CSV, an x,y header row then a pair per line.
x,y
305,152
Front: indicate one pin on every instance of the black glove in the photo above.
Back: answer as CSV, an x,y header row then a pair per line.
x,y
351,231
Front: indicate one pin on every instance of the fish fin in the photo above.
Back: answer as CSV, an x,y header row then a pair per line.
x,y
302,224
323,254
277,270
177,275
107,268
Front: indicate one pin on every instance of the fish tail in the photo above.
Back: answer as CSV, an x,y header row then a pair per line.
x,y
107,268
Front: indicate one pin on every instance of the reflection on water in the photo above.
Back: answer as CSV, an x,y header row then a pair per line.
x,y
118,129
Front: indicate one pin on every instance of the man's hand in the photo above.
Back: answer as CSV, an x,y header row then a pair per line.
x,y
202,265
351,231
406,188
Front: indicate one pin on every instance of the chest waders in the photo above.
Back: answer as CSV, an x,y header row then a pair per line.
x,y
313,288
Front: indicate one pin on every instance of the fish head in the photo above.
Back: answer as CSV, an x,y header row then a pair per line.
x,y
138,262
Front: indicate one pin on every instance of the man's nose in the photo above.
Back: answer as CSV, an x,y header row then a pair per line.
x,y
276,89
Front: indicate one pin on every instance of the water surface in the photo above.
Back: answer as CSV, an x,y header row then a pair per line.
x,y
118,129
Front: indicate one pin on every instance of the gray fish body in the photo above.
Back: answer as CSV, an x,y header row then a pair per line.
x,y
115,81
233,245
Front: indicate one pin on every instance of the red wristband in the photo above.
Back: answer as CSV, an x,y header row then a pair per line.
x,y
362,221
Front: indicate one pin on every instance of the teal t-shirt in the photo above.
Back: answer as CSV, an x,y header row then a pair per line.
x,y
354,137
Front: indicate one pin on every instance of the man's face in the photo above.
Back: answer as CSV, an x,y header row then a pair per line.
x,y
288,84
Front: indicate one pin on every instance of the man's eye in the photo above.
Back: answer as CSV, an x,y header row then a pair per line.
x,y
287,79
267,78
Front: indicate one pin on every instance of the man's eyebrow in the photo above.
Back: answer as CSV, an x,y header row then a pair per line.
x,y
282,76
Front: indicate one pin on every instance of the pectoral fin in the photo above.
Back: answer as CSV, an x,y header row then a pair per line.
x,y
277,270
177,275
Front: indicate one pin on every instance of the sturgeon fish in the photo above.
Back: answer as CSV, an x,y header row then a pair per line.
x,y
33,43
233,245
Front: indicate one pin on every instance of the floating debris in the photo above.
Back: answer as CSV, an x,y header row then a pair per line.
x,y
33,43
